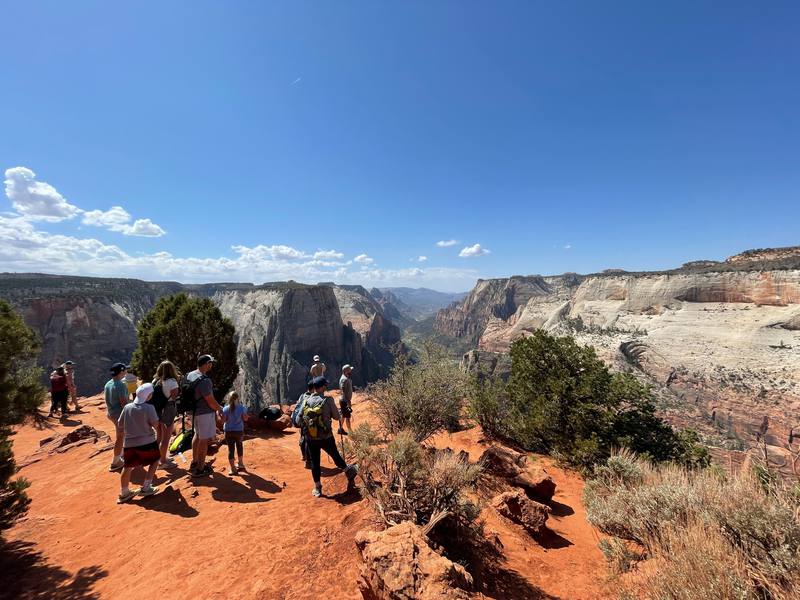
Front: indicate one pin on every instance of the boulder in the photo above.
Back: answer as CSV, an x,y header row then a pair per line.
x,y
513,466
522,510
398,564
279,424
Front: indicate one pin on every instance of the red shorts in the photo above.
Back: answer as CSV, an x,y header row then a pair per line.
x,y
141,456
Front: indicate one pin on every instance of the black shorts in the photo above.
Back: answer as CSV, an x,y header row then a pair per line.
x,y
345,409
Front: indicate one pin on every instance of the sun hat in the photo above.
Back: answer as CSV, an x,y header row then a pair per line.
x,y
143,393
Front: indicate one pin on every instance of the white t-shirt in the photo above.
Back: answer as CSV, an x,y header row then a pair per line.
x,y
167,386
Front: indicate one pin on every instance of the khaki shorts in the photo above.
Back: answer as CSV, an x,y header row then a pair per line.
x,y
205,426
115,421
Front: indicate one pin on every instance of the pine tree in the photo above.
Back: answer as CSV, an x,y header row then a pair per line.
x,y
20,395
181,328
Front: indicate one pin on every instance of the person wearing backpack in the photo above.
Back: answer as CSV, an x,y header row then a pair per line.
x,y
297,421
203,416
234,415
165,394
317,414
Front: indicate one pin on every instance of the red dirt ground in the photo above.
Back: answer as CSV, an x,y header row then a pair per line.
x,y
257,535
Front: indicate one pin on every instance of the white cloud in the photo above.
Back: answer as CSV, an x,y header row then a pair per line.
x,y
118,219
363,259
296,81
472,251
328,255
422,258
446,243
262,253
568,247
36,200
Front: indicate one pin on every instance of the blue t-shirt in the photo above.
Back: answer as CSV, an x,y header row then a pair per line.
x,y
116,393
234,419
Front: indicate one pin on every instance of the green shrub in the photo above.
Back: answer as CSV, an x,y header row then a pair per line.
x,y
180,329
704,531
561,399
20,396
423,398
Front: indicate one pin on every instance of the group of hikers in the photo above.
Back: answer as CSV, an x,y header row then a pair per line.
x,y
144,415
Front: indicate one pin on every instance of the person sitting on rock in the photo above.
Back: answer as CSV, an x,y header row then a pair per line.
x,y
317,415
346,402
233,417
69,371
318,368
137,420
116,394
59,393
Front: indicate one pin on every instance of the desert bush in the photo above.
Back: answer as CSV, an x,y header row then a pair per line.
x,y
20,396
562,399
404,481
705,531
423,397
180,329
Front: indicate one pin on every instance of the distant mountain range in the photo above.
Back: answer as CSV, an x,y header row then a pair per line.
x,y
420,303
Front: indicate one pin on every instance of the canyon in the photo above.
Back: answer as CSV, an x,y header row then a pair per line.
x,y
717,341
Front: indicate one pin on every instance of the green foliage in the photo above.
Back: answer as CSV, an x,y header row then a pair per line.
x,y
20,396
423,397
725,533
181,328
563,400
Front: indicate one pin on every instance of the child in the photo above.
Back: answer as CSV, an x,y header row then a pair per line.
x,y
138,419
132,383
233,416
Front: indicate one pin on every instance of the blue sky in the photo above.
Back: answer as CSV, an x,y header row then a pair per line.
x,y
257,141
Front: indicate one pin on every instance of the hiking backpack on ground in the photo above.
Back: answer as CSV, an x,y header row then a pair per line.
x,y
312,420
182,441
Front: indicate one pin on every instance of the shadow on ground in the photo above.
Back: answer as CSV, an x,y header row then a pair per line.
x,y
26,575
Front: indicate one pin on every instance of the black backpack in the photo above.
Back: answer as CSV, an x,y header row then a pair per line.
x,y
158,399
187,400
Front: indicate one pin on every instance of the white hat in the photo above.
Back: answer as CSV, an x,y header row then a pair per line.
x,y
143,393
316,358
344,368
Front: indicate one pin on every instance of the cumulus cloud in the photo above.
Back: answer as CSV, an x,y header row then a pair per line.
x,y
263,253
568,247
328,255
446,243
472,251
363,259
36,200
118,219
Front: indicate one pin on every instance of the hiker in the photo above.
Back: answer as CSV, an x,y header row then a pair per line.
x,y
297,421
116,394
318,412
59,394
165,394
131,382
203,419
346,402
318,368
233,416
69,371
137,421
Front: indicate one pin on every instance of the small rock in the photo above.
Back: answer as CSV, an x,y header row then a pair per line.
x,y
522,510
513,466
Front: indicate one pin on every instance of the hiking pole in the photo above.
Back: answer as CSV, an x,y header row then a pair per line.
x,y
341,437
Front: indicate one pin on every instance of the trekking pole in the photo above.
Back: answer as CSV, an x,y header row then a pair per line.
x,y
341,437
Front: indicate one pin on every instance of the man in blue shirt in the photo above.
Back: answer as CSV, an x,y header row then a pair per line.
x,y
116,393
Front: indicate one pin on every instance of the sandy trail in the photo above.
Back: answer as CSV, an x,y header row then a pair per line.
x,y
257,535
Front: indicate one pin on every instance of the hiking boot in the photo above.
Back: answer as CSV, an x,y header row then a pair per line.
x,y
148,490
125,497
232,471
316,492
167,464
342,432
206,470
351,471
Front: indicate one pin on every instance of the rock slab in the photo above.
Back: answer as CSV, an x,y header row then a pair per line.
x,y
513,466
517,507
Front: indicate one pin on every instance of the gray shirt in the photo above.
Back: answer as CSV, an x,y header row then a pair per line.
x,y
346,384
138,421
202,389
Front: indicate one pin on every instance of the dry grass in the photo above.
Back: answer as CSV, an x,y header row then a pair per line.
x,y
711,536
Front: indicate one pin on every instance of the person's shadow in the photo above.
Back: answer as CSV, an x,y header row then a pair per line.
x,y
168,500
232,489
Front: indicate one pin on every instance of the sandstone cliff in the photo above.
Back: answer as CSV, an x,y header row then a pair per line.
x,y
718,340
279,328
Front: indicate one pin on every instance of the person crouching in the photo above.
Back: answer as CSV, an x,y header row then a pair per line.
x,y
138,420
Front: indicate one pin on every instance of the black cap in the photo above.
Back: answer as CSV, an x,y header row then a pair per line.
x,y
118,368
70,363
205,359
318,382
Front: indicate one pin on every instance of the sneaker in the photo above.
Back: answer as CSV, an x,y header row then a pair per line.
x,y
125,497
351,471
342,432
167,464
193,465
148,490
116,466
207,470
241,467
232,471
316,492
